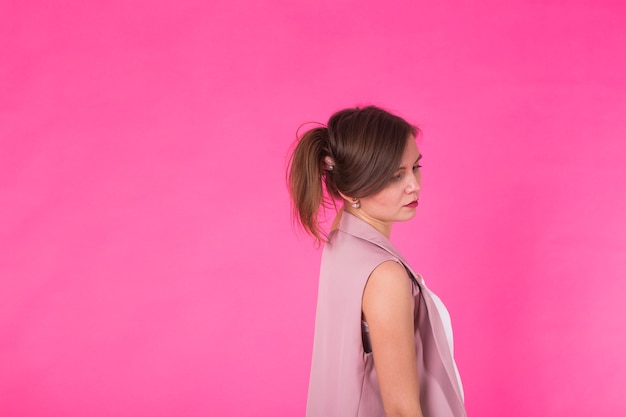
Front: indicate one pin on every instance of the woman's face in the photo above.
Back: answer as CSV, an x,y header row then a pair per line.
x,y
399,199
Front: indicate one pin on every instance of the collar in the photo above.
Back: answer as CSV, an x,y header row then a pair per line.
x,y
352,225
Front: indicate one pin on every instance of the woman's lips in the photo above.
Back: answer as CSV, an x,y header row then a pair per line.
x,y
412,204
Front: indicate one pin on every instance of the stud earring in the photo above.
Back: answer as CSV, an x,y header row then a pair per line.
x,y
356,203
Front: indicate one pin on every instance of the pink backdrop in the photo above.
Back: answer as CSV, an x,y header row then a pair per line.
x,y
148,265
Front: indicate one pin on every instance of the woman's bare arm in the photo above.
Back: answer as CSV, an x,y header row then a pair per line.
x,y
388,310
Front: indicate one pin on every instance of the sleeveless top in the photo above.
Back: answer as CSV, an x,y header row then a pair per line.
x,y
343,379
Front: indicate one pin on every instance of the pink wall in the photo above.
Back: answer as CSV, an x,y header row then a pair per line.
x,y
148,266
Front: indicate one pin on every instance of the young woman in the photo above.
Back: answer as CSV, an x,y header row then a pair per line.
x,y
383,341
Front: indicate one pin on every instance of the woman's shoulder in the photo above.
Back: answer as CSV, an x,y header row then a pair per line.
x,y
345,251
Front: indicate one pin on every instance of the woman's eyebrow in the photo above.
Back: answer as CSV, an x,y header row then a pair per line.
x,y
416,161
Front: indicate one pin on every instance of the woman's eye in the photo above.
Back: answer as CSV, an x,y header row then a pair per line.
x,y
396,177
416,167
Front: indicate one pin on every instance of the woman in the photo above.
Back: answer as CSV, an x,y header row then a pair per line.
x,y
383,342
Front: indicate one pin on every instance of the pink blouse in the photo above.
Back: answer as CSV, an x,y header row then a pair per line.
x,y
343,377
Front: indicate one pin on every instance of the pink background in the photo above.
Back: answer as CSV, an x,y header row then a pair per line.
x,y
148,263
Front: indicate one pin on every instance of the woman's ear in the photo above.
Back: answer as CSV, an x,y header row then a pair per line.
x,y
353,202
345,197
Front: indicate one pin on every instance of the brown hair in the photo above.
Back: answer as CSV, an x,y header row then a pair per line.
x,y
356,154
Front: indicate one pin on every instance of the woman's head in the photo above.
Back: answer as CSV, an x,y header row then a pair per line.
x,y
355,156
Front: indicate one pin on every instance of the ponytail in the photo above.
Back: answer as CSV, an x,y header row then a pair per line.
x,y
307,167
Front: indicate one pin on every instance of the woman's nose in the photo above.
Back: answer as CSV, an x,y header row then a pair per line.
x,y
414,184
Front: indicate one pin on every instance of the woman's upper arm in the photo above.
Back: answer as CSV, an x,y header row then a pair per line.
x,y
388,305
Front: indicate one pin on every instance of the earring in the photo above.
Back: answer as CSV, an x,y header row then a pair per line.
x,y
356,203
